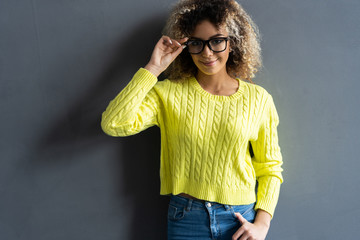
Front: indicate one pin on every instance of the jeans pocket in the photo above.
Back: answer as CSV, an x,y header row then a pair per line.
x,y
175,213
250,215
247,211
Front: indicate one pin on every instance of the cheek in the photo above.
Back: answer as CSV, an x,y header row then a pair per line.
x,y
195,60
225,56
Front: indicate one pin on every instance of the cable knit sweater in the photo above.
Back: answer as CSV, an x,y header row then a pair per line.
x,y
205,138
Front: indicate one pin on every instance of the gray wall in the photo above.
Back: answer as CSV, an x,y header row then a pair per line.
x,y
61,62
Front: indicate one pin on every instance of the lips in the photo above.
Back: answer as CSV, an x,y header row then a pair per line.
x,y
209,63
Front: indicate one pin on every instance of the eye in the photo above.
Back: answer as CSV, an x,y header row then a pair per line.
x,y
194,43
216,41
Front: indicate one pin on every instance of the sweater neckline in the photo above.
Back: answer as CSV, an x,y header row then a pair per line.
x,y
206,94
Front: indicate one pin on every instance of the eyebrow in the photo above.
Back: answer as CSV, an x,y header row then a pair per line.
x,y
214,36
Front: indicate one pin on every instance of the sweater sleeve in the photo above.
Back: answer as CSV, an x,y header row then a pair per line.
x,y
267,159
134,109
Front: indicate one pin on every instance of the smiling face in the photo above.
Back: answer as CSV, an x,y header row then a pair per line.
x,y
209,62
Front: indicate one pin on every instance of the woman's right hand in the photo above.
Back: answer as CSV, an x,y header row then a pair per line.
x,y
165,51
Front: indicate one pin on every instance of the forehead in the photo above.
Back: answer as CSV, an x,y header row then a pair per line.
x,y
205,30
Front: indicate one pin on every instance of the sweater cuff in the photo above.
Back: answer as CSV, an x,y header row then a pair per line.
x,y
145,78
268,194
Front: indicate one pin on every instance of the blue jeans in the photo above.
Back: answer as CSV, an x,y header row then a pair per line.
x,y
198,220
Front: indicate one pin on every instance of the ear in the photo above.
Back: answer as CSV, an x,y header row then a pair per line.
x,y
230,48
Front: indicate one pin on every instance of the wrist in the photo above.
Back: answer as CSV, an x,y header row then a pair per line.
x,y
263,224
153,69
262,218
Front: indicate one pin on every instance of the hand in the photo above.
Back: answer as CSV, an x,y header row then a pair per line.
x,y
165,51
250,231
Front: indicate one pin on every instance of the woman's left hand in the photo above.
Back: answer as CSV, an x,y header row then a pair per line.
x,y
250,231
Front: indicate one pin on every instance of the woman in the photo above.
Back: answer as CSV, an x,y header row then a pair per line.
x,y
218,133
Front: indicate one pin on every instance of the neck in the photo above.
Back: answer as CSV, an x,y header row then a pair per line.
x,y
220,83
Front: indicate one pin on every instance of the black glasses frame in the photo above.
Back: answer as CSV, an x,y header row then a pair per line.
x,y
207,42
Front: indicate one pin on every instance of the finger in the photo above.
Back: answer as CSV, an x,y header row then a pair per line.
x,y
245,236
238,234
183,40
167,41
241,218
177,52
243,233
175,43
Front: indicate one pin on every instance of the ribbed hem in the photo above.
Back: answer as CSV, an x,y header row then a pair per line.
x,y
208,192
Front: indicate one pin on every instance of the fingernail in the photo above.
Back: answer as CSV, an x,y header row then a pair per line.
x,y
184,46
170,41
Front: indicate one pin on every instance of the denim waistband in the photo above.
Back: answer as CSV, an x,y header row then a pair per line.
x,y
189,203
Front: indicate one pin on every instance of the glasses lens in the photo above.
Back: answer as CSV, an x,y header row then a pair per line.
x,y
218,44
195,46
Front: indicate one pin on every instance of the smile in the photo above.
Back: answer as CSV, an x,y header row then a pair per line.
x,y
209,63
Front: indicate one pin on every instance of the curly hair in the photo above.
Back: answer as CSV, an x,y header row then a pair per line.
x,y
245,57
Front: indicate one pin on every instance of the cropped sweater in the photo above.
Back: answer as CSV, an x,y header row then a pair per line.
x,y
205,138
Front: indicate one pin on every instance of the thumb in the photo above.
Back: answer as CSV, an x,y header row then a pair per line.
x,y
183,40
241,219
181,47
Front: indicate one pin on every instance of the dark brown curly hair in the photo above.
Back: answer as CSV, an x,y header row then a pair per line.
x,y
245,57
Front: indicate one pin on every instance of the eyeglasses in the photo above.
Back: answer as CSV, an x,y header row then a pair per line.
x,y
196,46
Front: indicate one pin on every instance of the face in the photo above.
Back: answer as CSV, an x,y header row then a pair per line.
x,y
209,62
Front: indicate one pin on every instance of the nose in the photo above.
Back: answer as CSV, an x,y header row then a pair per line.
x,y
206,51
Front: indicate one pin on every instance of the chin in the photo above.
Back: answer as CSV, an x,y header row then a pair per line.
x,y
209,71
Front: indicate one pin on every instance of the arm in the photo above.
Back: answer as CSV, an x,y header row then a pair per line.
x,y
267,160
135,108
267,163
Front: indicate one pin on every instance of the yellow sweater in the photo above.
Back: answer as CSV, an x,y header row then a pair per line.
x,y
205,138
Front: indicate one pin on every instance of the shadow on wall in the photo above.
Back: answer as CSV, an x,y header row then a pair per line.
x,y
79,129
